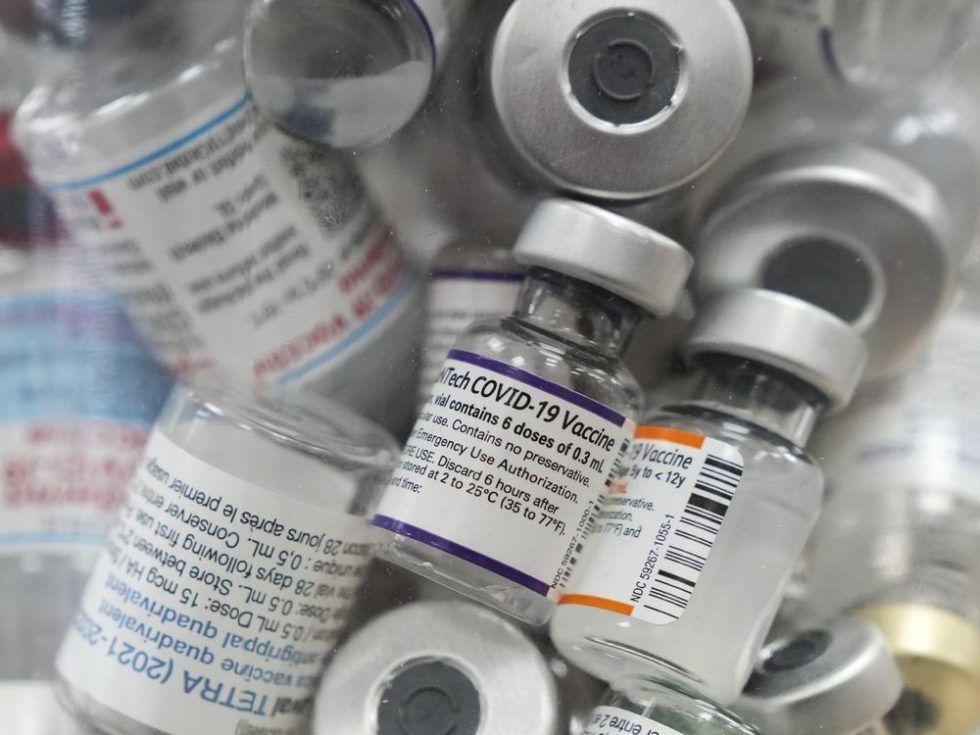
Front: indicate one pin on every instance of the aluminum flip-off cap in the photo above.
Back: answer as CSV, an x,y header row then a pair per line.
x,y
838,680
620,101
848,228
938,654
785,332
606,250
438,667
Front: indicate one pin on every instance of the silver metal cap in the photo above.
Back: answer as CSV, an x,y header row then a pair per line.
x,y
784,332
437,667
607,250
621,102
838,681
845,227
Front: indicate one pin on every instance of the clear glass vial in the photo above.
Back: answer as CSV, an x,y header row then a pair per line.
x,y
692,551
899,539
838,679
466,284
500,476
230,244
78,394
346,73
438,667
869,43
646,706
243,539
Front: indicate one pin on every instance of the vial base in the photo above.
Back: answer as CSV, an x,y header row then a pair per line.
x,y
344,74
38,595
612,647
467,579
94,718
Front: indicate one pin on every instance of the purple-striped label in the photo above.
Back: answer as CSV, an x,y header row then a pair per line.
x,y
559,391
504,469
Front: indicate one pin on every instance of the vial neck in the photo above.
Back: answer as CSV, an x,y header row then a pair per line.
x,y
576,312
760,395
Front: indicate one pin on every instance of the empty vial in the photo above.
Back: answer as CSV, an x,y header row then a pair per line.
x,y
645,706
231,569
229,243
466,284
899,540
439,667
507,461
838,679
693,547
78,393
879,43
346,73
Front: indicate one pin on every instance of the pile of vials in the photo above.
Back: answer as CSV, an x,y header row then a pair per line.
x,y
489,367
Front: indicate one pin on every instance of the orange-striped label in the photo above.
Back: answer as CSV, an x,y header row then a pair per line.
x,y
600,602
663,433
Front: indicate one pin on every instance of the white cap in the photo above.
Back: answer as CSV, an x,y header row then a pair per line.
x,y
838,680
607,250
784,332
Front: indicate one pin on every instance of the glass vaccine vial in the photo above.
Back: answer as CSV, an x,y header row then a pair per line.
x,y
466,284
645,706
694,546
868,43
899,539
230,244
78,394
346,73
439,667
223,587
838,678
509,458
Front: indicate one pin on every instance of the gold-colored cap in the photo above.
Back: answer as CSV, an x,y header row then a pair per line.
x,y
939,656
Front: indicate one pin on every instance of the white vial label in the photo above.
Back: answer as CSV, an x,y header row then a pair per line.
x,y
657,526
456,300
504,470
230,243
78,393
616,721
213,601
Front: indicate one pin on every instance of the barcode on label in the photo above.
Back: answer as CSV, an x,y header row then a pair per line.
x,y
694,536
576,550
614,483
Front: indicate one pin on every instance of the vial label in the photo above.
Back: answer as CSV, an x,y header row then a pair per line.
x,y
214,601
504,470
657,526
230,243
78,392
456,300
794,33
616,721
